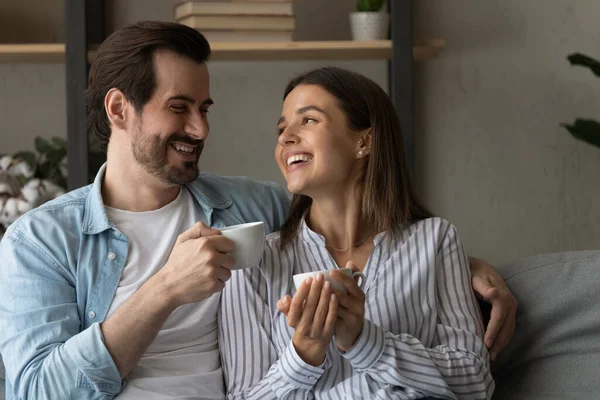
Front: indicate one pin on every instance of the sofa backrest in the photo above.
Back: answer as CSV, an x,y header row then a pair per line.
x,y
555,353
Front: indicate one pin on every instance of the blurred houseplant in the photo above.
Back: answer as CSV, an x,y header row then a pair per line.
x,y
370,21
587,130
28,179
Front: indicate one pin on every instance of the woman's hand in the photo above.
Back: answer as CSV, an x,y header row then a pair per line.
x,y
351,311
490,287
312,313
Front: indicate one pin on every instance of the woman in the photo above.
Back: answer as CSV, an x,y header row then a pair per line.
x,y
415,331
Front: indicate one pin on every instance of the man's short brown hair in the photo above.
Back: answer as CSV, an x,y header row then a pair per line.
x,y
125,61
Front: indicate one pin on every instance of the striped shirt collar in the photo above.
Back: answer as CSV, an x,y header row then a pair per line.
x,y
307,235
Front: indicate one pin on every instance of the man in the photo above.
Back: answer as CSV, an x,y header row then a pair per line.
x,y
113,289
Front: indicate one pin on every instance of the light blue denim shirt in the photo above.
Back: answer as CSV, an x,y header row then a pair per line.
x,y
60,265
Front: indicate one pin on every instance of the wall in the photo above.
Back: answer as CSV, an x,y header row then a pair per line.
x,y
491,156
32,96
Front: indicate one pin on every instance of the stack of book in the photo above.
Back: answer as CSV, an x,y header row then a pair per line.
x,y
239,20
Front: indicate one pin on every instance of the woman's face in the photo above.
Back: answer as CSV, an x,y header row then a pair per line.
x,y
316,150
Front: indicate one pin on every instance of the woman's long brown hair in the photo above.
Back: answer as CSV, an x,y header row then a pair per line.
x,y
389,200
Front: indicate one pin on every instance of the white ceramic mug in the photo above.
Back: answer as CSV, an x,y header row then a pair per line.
x,y
299,278
249,242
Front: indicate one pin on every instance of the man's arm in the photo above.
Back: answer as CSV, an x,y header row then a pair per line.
x,y
45,352
490,287
197,268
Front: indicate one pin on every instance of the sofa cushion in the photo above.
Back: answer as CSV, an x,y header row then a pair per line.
x,y
555,353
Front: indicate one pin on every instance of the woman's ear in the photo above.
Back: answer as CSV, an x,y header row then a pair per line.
x,y
116,104
364,143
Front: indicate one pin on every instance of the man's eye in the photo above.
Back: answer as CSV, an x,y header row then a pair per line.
x,y
206,111
280,131
309,119
177,109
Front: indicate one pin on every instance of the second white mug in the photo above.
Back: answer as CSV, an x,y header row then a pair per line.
x,y
299,278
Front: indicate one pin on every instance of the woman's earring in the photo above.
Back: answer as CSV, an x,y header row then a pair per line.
x,y
360,152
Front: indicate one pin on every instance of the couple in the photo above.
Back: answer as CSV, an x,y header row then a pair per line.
x,y
114,289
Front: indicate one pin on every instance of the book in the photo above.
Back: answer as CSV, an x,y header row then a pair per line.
x,y
191,8
239,22
247,36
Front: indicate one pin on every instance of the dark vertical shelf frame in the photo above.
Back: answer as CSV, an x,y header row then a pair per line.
x,y
401,72
84,25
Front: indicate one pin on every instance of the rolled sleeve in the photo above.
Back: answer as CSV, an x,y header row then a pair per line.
x,y
96,368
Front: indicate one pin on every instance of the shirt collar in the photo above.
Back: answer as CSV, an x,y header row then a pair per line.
x,y
95,219
309,236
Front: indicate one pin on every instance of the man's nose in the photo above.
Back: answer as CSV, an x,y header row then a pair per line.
x,y
197,126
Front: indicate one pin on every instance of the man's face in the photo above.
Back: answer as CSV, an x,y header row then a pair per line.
x,y
169,133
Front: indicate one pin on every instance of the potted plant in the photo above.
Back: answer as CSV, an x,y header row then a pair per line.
x,y
370,21
28,179
587,130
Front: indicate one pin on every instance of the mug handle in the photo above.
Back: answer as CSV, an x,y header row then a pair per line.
x,y
362,279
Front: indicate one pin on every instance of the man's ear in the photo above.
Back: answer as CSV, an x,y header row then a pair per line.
x,y
116,107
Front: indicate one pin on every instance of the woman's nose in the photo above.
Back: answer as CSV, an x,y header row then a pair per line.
x,y
288,136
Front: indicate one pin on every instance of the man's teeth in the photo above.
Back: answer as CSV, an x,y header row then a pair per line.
x,y
183,148
298,157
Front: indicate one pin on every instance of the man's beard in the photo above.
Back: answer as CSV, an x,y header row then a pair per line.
x,y
152,153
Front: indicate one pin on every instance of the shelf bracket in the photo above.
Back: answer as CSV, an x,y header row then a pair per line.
x,y
401,73
84,25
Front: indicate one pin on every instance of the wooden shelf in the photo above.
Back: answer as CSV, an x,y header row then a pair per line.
x,y
262,51
32,53
319,50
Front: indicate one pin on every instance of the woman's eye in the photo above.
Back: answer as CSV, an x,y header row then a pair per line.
x,y
280,131
309,119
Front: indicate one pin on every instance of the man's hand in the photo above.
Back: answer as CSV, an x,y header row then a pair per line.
x,y
197,268
490,287
198,265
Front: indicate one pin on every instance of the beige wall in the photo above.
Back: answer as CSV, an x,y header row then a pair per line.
x,y
491,156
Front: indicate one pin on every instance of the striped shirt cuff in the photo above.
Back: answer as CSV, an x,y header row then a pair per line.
x,y
297,372
368,347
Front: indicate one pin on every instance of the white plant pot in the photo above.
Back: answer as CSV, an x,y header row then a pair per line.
x,y
369,25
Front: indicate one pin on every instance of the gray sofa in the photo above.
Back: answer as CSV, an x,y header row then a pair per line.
x,y
555,353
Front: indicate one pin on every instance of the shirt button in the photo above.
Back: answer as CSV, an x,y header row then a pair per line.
x,y
91,315
312,378
111,256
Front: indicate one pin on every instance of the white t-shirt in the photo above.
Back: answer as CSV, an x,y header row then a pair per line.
x,y
183,360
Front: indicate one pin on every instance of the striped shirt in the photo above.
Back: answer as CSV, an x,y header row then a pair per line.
x,y
421,336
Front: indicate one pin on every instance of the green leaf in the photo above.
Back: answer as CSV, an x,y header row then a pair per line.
x,y
369,5
585,61
44,170
55,156
585,129
42,145
28,156
59,142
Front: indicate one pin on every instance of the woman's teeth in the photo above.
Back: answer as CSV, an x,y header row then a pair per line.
x,y
298,158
